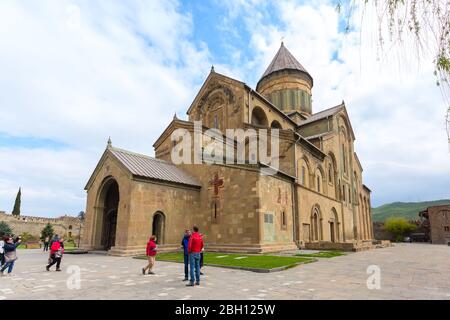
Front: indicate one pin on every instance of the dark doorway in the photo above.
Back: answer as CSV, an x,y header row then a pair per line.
x,y
158,227
110,215
333,237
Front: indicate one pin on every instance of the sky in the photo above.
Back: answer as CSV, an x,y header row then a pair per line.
x,y
73,73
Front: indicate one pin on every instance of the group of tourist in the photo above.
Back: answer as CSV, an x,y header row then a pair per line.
x,y
193,248
8,253
192,244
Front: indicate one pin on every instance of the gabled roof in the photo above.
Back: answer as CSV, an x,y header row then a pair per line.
x,y
322,114
216,74
212,74
329,113
284,60
142,166
147,167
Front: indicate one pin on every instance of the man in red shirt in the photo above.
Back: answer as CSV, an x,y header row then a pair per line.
x,y
195,247
151,255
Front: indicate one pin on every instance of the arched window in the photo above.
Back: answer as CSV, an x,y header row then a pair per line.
x,y
319,179
275,125
330,173
344,157
259,117
303,175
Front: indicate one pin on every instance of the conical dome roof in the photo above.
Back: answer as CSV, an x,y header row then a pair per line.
x,y
284,60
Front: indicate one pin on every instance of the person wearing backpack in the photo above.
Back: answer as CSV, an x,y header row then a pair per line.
x,y
56,253
10,254
54,239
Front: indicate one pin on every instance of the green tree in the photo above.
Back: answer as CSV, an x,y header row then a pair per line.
x,y
399,227
16,210
5,229
47,232
26,237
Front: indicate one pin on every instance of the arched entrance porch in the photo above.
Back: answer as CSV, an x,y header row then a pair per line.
x,y
107,209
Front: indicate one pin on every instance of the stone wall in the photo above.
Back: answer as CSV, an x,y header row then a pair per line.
x,y
65,226
440,224
380,233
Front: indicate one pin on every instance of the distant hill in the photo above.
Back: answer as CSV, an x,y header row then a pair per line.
x,y
408,210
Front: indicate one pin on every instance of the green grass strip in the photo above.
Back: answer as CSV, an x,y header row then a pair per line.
x,y
321,254
242,261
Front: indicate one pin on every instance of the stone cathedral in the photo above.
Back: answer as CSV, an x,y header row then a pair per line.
x,y
315,200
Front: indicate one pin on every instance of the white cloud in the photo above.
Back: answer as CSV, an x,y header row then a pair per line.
x,y
80,71
394,105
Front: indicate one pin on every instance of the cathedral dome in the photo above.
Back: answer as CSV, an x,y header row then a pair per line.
x,y
287,84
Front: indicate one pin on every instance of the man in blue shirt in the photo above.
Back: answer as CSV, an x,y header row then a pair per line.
x,y
184,244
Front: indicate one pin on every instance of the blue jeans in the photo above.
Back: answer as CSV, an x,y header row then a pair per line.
x,y
186,266
194,259
8,265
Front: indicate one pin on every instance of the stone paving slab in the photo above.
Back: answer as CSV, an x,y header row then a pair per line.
x,y
408,271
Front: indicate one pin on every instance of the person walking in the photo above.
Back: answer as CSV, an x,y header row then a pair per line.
x,y
46,243
195,247
10,254
56,253
54,239
151,255
185,245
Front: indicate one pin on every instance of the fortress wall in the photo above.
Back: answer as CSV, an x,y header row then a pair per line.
x,y
63,226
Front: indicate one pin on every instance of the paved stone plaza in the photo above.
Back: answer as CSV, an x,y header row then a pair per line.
x,y
408,271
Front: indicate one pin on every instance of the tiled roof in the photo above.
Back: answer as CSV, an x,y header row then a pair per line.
x,y
284,60
148,167
322,114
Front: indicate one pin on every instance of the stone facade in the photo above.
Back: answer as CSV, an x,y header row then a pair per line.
x,y
439,220
65,226
316,199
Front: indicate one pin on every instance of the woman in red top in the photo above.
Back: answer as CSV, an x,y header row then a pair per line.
x,y
151,255
56,253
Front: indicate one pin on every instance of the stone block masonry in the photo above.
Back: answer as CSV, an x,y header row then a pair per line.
x,y
65,226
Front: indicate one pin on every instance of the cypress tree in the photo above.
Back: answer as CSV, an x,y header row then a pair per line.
x,y
16,210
